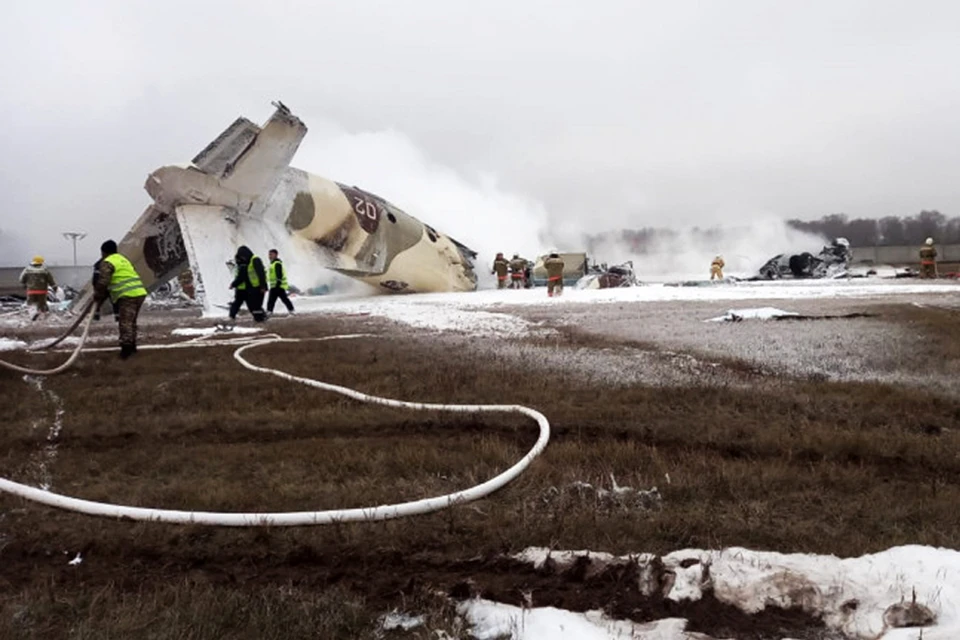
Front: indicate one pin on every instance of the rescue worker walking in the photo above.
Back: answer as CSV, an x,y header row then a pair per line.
x,y
277,279
37,280
928,260
119,280
501,267
554,266
518,276
716,268
249,284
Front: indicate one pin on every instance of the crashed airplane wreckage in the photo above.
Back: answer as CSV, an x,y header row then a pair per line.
x,y
241,190
832,262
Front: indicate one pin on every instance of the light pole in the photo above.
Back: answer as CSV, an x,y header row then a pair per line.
x,y
74,235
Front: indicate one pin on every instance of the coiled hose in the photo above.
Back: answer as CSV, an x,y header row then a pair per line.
x,y
308,518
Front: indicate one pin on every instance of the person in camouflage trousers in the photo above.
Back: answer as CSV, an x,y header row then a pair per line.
x,y
119,280
501,267
554,266
928,260
37,280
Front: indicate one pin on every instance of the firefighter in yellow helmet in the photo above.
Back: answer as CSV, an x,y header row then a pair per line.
x,y
554,266
119,280
928,260
502,268
716,268
37,280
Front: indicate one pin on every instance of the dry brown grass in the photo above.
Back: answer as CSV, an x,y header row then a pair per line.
x,y
789,465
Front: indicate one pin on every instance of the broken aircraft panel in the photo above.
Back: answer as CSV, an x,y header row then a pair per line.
x,y
241,189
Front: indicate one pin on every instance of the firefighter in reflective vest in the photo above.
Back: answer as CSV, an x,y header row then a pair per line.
x,y
928,260
120,281
501,267
277,278
250,284
716,268
37,280
554,266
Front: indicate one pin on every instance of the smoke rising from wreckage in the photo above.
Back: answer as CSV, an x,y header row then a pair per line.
x,y
241,189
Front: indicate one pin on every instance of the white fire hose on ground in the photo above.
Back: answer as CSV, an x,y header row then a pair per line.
x,y
302,518
73,356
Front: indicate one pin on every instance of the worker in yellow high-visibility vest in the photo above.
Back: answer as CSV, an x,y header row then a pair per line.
x,y
249,284
119,280
277,279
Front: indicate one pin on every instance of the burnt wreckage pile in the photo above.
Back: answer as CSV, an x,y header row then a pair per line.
x,y
831,262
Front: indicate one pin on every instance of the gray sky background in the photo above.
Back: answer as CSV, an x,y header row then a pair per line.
x,y
600,114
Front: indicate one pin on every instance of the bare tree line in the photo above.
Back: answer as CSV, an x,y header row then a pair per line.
x,y
886,231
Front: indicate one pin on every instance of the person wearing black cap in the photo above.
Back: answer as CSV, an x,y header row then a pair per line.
x,y
119,280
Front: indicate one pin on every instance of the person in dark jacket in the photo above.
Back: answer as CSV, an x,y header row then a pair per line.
x,y
249,284
277,279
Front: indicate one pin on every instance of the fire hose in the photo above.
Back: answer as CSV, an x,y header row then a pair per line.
x,y
85,313
304,518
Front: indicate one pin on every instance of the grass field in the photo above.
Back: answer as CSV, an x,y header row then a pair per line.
x,y
757,458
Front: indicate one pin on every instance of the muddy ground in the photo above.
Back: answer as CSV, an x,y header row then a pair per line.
x,y
827,436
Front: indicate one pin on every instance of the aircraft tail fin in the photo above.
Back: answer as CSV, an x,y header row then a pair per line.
x,y
221,154
250,159
259,168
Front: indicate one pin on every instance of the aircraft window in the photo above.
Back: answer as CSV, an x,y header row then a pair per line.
x,y
391,217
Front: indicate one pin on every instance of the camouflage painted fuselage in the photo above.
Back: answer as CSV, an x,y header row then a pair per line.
x,y
378,243
241,189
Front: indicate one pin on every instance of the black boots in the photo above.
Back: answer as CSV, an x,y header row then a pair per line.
x,y
127,350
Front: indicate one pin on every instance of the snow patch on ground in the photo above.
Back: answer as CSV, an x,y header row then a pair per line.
x,y
402,621
425,312
858,597
851,594
762,313
12,344
209,331
492,620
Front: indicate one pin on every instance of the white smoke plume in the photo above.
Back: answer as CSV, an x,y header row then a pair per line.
x,y
474,210
687,253
477,211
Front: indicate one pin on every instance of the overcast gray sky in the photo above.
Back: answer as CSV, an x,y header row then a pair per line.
x,y
603,113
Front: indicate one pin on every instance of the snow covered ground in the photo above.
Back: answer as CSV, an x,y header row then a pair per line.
x,y
867,598
12,344
490,311
495,621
